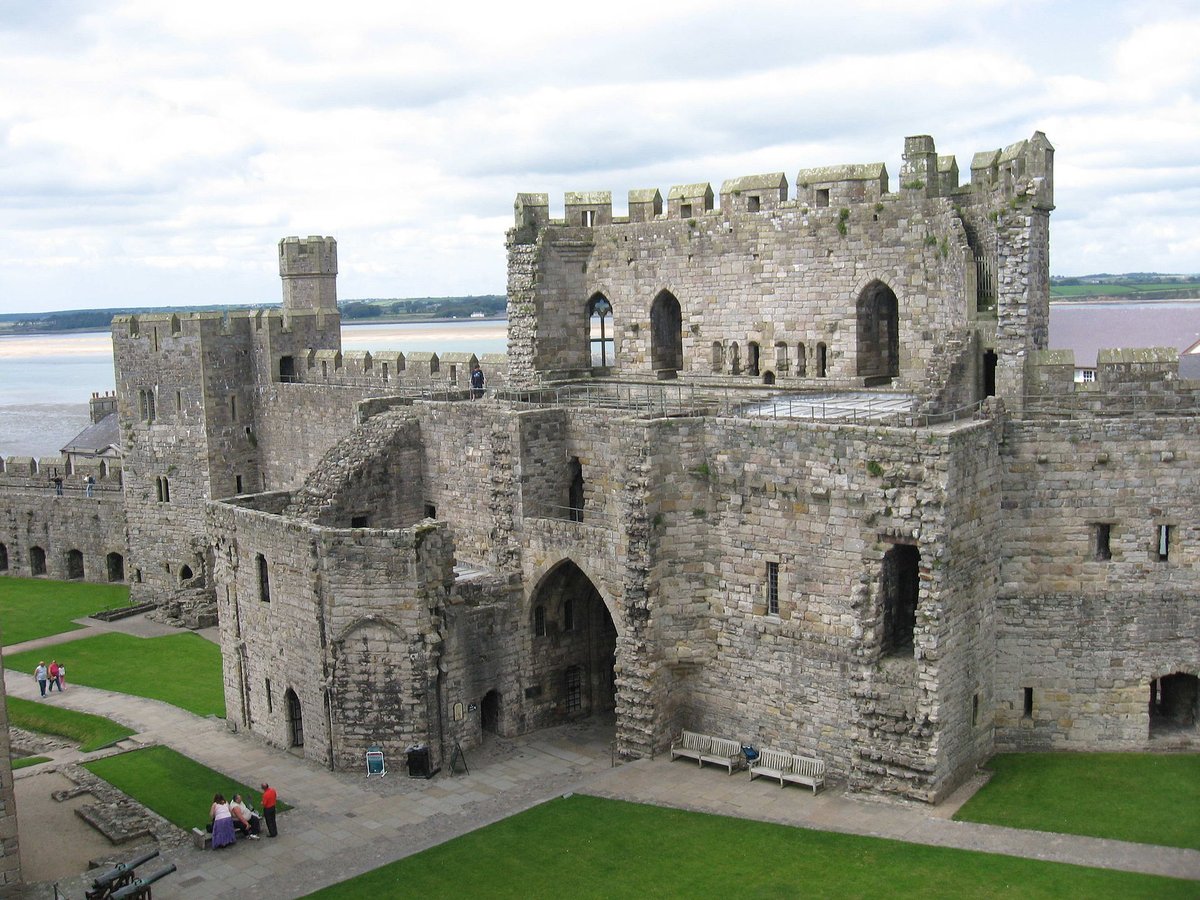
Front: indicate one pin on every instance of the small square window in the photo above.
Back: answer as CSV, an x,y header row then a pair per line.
x,y
822,197
685,210
588,218
753,204
1101,538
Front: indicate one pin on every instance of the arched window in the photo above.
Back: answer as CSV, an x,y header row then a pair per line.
x,y
735,361
295,717
752,358
568,614
801,361
718,357
822,358
666,334
781,356
37,561
162,489
264,578
600,332
185,573
74,565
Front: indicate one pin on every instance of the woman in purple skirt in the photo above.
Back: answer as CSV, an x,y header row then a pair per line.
x,y
222,823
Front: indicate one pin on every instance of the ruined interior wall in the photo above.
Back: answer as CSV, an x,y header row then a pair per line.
x,y
468,475
1087,634
349,627
296,426
373,478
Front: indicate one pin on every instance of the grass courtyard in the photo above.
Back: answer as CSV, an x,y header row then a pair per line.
x,y
181,669
1147,798
34,607
584,847
90,732
177,788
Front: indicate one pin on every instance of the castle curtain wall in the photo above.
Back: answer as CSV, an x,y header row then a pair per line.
x,y
1084,634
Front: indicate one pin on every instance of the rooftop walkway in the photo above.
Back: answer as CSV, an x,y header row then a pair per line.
x,y
344,823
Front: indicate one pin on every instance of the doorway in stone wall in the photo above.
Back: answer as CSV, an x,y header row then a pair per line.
x,y
295,719
878,333
666,334
572,666
489,712
1174,706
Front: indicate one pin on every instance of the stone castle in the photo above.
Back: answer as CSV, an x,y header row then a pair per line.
x,y
795,468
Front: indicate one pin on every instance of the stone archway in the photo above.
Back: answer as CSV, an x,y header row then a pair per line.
x,y
571,666
666,334
878,332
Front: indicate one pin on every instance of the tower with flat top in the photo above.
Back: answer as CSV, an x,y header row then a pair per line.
x,y
308,267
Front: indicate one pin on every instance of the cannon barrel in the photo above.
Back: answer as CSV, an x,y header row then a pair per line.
x,y
104,880
136,887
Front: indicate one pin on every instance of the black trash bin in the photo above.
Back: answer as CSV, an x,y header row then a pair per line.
x,y
418,761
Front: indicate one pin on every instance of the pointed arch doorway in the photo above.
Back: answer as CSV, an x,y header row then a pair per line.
x,y
666,335
571,667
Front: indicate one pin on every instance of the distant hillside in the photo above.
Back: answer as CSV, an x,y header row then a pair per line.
x,y
390,309
1131,286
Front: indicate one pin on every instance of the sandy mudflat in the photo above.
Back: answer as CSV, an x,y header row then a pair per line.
x,y
55,843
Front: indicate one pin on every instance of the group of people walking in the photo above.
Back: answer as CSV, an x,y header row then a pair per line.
x,y
50,677
229,818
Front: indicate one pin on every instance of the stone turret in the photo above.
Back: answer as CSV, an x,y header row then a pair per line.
x,y
308,267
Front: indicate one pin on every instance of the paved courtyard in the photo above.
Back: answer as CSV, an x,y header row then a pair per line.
x,y
346,823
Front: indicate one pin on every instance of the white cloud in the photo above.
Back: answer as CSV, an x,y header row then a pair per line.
x,y
162,149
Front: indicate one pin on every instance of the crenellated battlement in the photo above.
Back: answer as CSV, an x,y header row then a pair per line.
x,y
1025,168
37,474
1127,381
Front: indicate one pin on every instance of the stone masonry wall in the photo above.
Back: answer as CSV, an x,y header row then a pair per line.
x,y
1084,633
36,517
10,859
349,625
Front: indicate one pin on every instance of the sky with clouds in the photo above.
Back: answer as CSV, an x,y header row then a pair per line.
x,y
154,153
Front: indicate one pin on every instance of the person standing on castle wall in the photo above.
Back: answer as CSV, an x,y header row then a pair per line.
x,y
54,682
476,382
40,674
57,479
91,483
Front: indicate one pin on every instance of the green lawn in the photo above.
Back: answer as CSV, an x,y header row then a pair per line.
x,y
34,607
1148,798
583,847
28,761
177,788
181,669
90,732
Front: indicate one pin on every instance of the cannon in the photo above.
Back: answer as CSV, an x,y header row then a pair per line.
x,y
120,875
139,889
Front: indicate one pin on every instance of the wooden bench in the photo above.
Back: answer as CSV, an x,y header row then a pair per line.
x,y
789,767
706,748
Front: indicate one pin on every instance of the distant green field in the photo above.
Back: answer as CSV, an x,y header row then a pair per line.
x,y
1117,290
34,607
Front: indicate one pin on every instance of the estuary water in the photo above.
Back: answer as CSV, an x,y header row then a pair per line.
x,y
46,379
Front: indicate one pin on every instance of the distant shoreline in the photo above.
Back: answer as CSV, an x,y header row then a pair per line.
x,y
375,320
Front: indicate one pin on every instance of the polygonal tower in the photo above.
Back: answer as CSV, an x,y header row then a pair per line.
x,y
308,267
